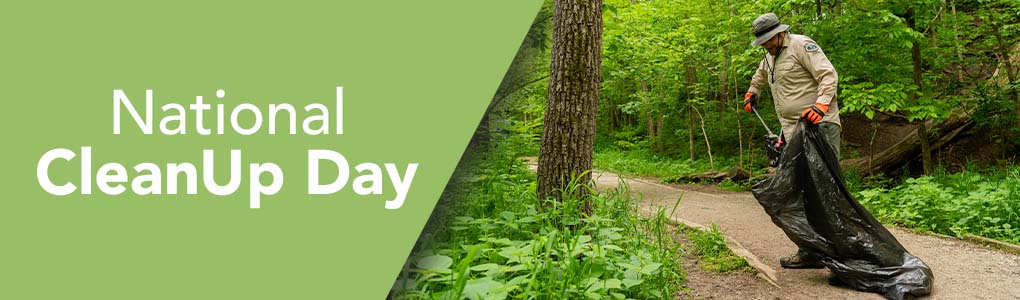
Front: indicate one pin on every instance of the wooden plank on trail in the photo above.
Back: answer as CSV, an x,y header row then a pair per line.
x,y
764,271
1004,246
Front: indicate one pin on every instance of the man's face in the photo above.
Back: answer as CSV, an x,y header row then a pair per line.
x,y
773,44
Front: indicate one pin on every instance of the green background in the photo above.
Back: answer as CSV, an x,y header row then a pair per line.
x,y
416,75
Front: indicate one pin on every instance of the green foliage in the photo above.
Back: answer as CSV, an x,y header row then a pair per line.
x,y
493,239
670,65
627,140
953,204
734,186
866,98
710,245
648,164
661,66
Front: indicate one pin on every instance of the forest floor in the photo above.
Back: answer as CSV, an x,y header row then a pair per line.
x,y
962,270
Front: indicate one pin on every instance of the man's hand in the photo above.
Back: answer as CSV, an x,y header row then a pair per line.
x,y
750,103
815,113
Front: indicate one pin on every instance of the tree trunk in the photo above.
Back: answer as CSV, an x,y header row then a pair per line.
x,y
575,72
1007,59
690,79
724,78
956,42
653,133
660,138
690,129
915,54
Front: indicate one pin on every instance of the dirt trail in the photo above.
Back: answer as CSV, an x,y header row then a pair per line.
x,y
962,270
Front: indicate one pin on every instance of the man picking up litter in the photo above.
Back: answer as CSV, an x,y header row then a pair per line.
x,y
803,84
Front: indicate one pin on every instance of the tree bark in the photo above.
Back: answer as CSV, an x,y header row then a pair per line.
x,y
690,79
915,54
653,132
1007,59
575,73
724,89
690,130
956,42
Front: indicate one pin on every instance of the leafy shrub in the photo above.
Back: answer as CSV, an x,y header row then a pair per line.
x,y
496,240
715,256
646,163
953,204
736,186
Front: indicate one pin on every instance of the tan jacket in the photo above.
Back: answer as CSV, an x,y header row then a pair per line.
x,y
802,76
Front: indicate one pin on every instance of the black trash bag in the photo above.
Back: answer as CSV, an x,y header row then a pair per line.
x,y
808,200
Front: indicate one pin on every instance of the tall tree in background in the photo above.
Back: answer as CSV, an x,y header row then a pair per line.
x,y
922,128
575,73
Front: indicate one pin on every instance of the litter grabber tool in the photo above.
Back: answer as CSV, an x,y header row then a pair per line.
x,y
773,144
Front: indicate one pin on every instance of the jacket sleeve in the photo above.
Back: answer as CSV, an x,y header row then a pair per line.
x,y
760,78
814,60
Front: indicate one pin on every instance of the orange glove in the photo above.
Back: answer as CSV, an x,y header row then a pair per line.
x,y
815,113
750,102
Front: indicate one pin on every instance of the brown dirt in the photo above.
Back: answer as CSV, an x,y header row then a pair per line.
x,y
962,270
859,143
703,284
976,146
980,150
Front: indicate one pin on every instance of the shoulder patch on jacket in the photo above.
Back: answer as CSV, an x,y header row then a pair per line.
x,y
811,47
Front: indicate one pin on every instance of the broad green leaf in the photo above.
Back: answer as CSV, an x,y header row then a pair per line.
x,y
435,263
650,268
628,282
485,267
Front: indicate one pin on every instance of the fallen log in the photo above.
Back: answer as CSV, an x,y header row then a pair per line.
x,y
735,173
891,160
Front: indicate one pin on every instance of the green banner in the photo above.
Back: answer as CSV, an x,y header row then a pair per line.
x,y
198,150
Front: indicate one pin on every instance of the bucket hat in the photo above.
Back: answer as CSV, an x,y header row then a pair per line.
x,y
765,27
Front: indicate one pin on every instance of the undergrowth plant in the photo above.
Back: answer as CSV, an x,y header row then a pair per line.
x,y
493,239
645,163
710,245
953,204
